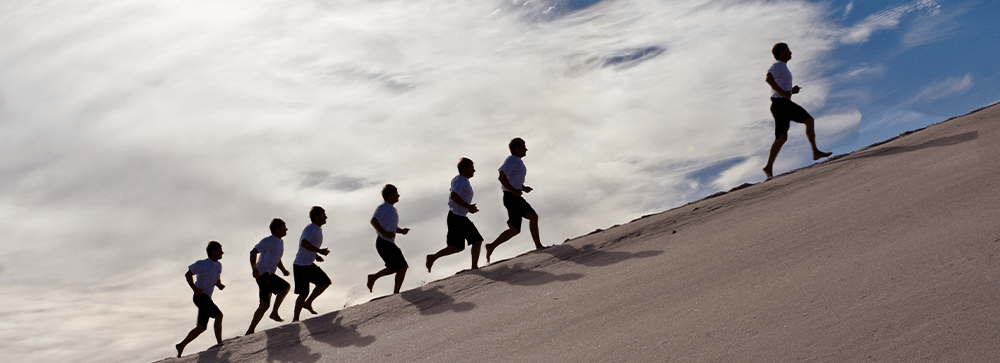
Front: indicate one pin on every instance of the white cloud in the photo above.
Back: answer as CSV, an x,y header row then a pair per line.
x,y
948,87
937,26
886,19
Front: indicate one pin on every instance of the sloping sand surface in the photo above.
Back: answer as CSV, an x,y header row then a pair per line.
x,y
891,253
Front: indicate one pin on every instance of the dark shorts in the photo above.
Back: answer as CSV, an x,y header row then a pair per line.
x,y
517,209
206,309
270,284
461,229
391,254
304,275
784,111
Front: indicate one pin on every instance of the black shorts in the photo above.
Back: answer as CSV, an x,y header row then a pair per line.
x,y
784,111
517,208
391,254
461,229
206,309
304,275
270,284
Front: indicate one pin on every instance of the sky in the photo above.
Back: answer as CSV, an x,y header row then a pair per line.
x,y
134,132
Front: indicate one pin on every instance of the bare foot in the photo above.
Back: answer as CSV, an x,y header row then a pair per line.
x,y
371,282
180,348
430,262
820,155
309,307
767,171
489,251
274,316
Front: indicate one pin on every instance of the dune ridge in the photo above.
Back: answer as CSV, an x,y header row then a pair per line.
x,y
889,253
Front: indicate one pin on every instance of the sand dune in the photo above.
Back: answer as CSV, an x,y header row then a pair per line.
x,y
890,253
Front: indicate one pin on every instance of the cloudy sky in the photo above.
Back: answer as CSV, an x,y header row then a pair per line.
x,y
134,132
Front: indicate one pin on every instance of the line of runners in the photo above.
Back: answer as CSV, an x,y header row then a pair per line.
x,y
265,258
460,228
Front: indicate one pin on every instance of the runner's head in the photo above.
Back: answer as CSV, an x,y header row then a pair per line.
x,y
390,194
317,215
779,49
517,147
214,250
278,227
466,168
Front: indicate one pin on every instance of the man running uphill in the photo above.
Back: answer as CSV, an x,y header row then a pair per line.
x,y
783,109
512,174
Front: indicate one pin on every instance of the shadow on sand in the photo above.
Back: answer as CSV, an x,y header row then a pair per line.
x,y
938,142
328,329
518,275
432,301
284,343
211,355
592,256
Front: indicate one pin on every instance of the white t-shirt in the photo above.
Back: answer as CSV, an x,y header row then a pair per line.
x,y
515,171
207,274
782,76
313,234
270,248
460,185
388,219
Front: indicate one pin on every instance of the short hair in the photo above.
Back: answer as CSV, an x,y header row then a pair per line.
x,y
778,49
388,189
275,224
514,143
464,163
316,211
212,246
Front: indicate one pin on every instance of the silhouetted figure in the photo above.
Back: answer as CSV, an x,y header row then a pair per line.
x,y
271,248
304,267
460,227
209,273
783,109
512,174
386,222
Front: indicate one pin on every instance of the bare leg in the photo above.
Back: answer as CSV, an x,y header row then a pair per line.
x,y
775,148
257,315
308,304
194,333
811,135
374,277
299,302
475,254
400,275
218,328
443,252
503,237
277,302
533,227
